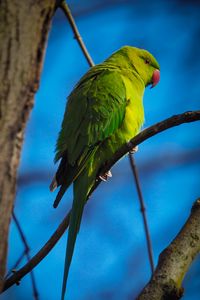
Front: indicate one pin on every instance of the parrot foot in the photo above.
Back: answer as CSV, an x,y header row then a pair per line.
x,y
105,176
53,184
134,150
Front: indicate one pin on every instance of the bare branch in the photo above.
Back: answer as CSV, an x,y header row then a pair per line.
x,y
175,261
41,254
143,211
176,120
27,254
77,35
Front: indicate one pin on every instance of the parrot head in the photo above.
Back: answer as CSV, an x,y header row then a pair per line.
x,y
143,63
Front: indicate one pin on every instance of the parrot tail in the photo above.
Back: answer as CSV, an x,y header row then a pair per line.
x,y
81,192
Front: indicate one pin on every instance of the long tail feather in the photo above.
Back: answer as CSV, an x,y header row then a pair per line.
x,y
75,220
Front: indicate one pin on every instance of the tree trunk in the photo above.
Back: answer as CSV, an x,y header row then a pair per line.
x,y
24,27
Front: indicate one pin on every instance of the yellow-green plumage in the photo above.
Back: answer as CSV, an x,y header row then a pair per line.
x,y
103,112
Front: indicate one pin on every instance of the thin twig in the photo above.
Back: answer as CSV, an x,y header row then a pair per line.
x,y
17,263
40,255
77,35
143,211
21,233
138,139
27,254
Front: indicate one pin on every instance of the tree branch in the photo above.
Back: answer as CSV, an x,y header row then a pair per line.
x,y
41,254
175,261
143,212
176,120
27,254
187,117
77,35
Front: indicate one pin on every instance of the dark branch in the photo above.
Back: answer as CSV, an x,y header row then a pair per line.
x,y
41,254
176,120
77,35
27,254
143,211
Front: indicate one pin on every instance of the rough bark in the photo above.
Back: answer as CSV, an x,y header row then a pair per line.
x,y
24,27
174,261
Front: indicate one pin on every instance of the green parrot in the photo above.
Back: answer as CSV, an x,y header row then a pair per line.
x,y
104,111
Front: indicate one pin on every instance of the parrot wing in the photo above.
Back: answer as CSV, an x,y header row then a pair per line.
x,y
95,110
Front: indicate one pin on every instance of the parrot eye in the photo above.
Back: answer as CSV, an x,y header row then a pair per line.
x,y
147,61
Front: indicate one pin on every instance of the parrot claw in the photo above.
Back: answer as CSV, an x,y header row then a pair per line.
x,y
105,176
53,184
134,150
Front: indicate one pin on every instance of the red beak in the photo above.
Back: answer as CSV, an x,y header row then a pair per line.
x,y
155,78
